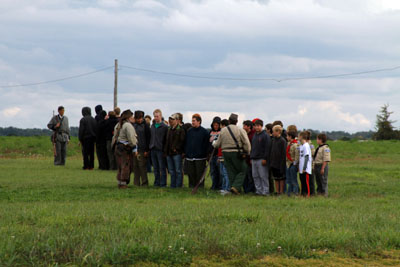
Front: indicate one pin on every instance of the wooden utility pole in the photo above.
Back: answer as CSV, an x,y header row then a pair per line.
x,y
116,83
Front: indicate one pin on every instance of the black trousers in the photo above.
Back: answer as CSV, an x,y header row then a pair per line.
x,y
88,153
102,157
195,171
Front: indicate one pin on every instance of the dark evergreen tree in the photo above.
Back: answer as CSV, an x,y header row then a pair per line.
x,y
384,126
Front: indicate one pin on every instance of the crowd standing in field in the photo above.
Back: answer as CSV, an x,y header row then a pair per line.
x,y
258,160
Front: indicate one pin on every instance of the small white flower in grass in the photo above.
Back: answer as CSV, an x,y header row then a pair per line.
x,y
183,235
258,245
279,248
12,236
169,247
313,250
272,242
181,248
185,252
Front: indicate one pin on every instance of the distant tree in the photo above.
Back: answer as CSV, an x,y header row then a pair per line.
x,y
384,126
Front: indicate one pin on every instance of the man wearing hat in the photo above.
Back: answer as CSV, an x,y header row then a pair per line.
x,y
60,138
173,149
143,142
235,147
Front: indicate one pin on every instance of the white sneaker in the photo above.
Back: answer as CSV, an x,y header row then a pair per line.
x,y
225,193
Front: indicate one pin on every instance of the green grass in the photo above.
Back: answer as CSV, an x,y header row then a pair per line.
x,y
62,215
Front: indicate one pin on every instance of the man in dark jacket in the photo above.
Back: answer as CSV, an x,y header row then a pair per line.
x,y
98,109
157,141
111,121
140,158
196,148
173,150
101,141
260,152
248,184
87,137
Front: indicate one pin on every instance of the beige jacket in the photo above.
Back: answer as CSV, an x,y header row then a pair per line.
x,y
226,142
127,134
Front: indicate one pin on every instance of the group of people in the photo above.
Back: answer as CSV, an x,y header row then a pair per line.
x,y
250,159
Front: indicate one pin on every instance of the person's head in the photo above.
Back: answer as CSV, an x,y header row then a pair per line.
x,y
139,116
277,123
180,118
157,116
291,135
126,116
61,110
98,108
173,120
292,128
187,126
111,114
216,124
233,119
196,120
277,131
268,128
247,126
303,137
117,111
224,123
321,139
148,119
258,125
86,111
103,114
308,135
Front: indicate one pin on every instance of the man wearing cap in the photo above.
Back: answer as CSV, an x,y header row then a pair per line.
x,y
196,148
174,145
235,147
140,159
60,138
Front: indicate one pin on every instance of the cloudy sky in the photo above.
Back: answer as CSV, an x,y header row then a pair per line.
x,y
43,40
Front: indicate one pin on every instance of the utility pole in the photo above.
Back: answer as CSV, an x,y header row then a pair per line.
x,y
115,83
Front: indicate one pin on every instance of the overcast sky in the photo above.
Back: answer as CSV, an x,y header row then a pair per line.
x,y
49,39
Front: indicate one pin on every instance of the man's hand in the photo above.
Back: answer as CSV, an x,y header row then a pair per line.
x,y
57,125
264,162
322,171
146,154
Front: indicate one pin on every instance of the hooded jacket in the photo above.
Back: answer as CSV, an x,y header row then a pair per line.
x,y
98,109
101,128
87,125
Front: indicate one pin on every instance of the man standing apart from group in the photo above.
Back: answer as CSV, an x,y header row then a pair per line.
x,y
157,141
87,137
235,147
60,138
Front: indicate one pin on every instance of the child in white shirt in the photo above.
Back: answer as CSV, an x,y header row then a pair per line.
x,y
305,164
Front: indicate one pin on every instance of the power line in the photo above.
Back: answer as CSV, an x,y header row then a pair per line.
x,y
57,80
260,79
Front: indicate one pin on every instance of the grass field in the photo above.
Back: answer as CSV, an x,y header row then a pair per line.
x,y
63,215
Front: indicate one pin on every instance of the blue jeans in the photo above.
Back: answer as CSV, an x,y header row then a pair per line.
x,y
215,174
224,177
291,180
175,170
160,170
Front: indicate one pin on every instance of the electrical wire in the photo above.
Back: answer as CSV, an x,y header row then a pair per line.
x,y
260,79
57,80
